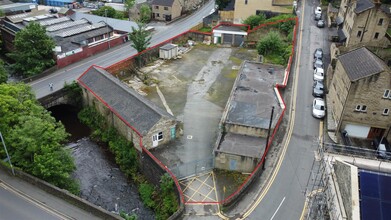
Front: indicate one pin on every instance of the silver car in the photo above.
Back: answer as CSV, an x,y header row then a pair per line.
x,y
318,108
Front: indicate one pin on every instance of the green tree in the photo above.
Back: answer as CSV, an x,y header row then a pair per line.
x,y
34,137
145,13
105,11
33,50
3,73
140,38
129,5
255,20
270,44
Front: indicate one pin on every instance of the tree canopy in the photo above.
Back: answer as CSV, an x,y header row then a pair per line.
x,y
255,20
3,73
102,12
140,38
129,5
145,13
34,138
33,50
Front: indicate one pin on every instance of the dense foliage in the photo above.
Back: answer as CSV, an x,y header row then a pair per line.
x,y
109,12
145,13
255,20
161,199
3,73
140,38
222,3
33,50
34,138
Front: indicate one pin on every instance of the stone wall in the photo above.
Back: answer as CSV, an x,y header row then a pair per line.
x,y
347,181
164,125
243,164
246,130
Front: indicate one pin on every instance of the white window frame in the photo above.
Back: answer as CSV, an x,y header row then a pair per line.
x,y
358,108
160,136
361,108
386,111
386,94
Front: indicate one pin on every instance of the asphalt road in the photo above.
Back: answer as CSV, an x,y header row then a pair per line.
x,y
14,206
116,54
285,198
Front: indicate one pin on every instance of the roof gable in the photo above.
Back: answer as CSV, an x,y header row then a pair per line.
x,y
361,63
134,109
363,5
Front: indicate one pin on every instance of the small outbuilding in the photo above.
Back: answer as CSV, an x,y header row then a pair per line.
x,y
228,34
168,51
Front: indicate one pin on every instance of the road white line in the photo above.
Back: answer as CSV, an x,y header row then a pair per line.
x,y
277,209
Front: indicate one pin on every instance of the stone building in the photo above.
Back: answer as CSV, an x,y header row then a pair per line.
x,y
247,116
363,22
135,117
166,10
359,98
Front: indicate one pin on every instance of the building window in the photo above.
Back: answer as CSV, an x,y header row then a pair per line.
x,y
157,15
386,93
156,6
376,35
245,2
380,22
359,34
386,111
160,136
360,108
166,8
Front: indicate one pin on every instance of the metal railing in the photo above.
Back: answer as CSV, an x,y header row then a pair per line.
x,y
192,168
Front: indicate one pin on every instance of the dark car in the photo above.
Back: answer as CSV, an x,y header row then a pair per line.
x,y
318,89
318,17
318,54
320,24
318,63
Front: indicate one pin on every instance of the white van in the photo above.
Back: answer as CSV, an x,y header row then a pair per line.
x,y
382,151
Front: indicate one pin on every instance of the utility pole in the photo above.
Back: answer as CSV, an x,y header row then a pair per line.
x,y
107,27
268,136
6,152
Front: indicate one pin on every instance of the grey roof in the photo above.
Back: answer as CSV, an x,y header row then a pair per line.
x,y
136,110
163,2
116,24
168,46
242,145
361,63
363,5
253,95
5,2
15,7
230,28
386,9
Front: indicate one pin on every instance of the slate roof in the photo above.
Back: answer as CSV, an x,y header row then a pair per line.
x,y
361,63
386,9
139,112
163,2
363,5
116,24
242,145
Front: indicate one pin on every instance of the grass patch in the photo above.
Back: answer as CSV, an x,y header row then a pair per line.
x,y
231,180
235,60
205,29
232,74
274,59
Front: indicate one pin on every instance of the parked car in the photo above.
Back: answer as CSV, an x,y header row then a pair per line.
x,y
318,10
319,74
383,149
318,63
318,54
318,108
318,17
320,24
318,89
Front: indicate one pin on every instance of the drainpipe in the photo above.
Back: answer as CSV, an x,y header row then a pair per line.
x,y
365,27
267,139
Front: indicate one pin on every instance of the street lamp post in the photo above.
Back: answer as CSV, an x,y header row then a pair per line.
x,y
107,27
6,152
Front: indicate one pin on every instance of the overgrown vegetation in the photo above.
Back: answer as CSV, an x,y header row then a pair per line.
x,y
33,50
255,20
74,91
276,45
161,199
145,13
34,138
109,12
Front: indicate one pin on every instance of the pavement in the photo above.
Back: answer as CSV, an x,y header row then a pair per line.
x,y
46,201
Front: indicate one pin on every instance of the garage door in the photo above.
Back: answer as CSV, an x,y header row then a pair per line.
x,y
227,38
357,131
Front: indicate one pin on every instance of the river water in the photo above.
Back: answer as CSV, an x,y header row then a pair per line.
x,y
101,181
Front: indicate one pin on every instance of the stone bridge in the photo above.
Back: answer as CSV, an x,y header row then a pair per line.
x,y
59,97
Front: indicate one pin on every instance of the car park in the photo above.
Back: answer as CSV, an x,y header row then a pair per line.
x,y
318,108
319,74
318,89
318,54
320,24
318,63
318,10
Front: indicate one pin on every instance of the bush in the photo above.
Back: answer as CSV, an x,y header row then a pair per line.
x,y
255,20
270,44
146,191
